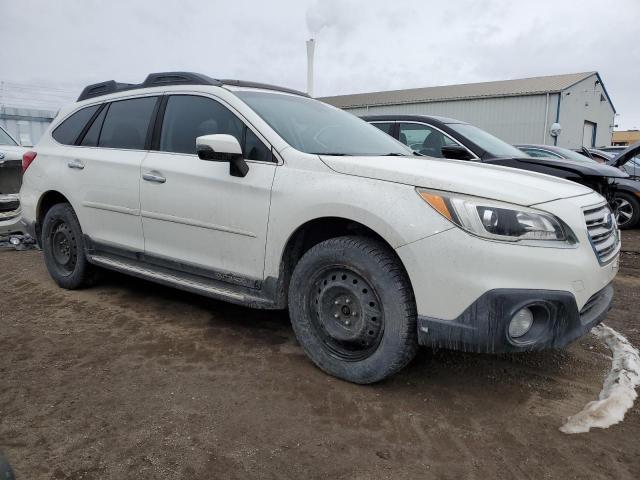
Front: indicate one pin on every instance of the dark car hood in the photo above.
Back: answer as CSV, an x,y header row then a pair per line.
x,y
625,155
586,168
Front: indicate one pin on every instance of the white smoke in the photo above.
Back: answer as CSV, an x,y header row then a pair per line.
x,y
331,14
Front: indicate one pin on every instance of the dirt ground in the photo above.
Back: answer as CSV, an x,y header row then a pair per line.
x,y
130,380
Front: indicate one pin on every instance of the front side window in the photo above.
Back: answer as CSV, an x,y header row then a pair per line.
x,y
126,123
311,126
188,117
424,139
5,139
68,131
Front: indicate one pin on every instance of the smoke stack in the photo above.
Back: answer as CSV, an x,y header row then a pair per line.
x,y
311,45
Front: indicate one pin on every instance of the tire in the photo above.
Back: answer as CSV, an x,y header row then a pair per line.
x,y
352,309
63,247
627,210
6,473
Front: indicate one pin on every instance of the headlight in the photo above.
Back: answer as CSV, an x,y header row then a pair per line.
x,y
499,221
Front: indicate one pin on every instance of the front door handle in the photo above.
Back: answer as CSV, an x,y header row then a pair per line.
x,y
154,177
76,164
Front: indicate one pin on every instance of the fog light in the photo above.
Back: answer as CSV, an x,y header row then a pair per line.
x,y
521,322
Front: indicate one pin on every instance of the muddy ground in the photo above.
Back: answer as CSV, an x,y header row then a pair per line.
x,y
130,380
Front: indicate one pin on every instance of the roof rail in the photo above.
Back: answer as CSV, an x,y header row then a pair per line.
x,y
152,80
264,86
172,78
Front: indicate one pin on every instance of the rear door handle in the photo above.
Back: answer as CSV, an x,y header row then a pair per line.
x,y
77,164
154,177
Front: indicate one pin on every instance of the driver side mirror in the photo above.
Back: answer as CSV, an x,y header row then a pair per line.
x,y
223,148
456,152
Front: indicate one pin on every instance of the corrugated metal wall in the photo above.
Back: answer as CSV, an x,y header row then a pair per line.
x,y
585,101
26,125
521,119
514,119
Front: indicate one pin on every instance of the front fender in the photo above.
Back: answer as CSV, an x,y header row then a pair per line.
x,y
392,210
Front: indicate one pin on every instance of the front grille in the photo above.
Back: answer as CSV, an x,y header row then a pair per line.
x,y
603,232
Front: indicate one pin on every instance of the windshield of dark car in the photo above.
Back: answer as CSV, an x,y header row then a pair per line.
x,y
571,155
311,126
5,139
490,144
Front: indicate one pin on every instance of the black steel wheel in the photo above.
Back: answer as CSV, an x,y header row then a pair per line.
x,y
346,313
352,309
63,248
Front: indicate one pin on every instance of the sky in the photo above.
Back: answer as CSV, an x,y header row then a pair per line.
x,y
51,49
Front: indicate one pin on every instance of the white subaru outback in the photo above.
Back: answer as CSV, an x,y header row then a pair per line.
x,y
264,197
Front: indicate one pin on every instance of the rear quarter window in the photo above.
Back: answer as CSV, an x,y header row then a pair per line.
x,y
68,131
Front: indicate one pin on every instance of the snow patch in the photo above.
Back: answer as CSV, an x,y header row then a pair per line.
x,y
618,392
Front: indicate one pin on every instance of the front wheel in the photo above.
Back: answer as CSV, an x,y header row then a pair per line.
x,y
63,249
352,309
627,210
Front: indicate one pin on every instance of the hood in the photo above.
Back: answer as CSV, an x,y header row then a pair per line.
x,y
586,168
470,178
626,155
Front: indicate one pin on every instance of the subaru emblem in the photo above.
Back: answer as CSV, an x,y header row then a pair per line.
x,y
1,156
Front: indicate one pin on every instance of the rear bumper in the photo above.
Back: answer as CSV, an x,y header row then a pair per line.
x,y
484,326
10,214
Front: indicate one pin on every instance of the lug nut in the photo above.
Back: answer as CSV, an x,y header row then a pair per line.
x,y
336,302
337,315
347,301
347,322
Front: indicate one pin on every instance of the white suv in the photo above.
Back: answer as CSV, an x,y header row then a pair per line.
x,y
264,197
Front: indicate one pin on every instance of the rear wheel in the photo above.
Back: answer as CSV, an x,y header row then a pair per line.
x,y
63,248
353,310
627,210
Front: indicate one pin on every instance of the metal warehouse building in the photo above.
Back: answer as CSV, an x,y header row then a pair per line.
x,y
518,111
25,124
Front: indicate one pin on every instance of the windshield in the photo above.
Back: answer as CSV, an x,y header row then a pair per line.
x,y
571,155
311,126
490,144
5,139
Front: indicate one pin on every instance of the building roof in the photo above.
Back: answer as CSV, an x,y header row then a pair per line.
x,y
501,88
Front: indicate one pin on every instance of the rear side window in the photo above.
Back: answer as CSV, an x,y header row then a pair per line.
x,y
126,123
68,131
188,117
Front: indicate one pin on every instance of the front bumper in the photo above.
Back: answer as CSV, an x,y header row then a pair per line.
x,y
484,326
466,288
